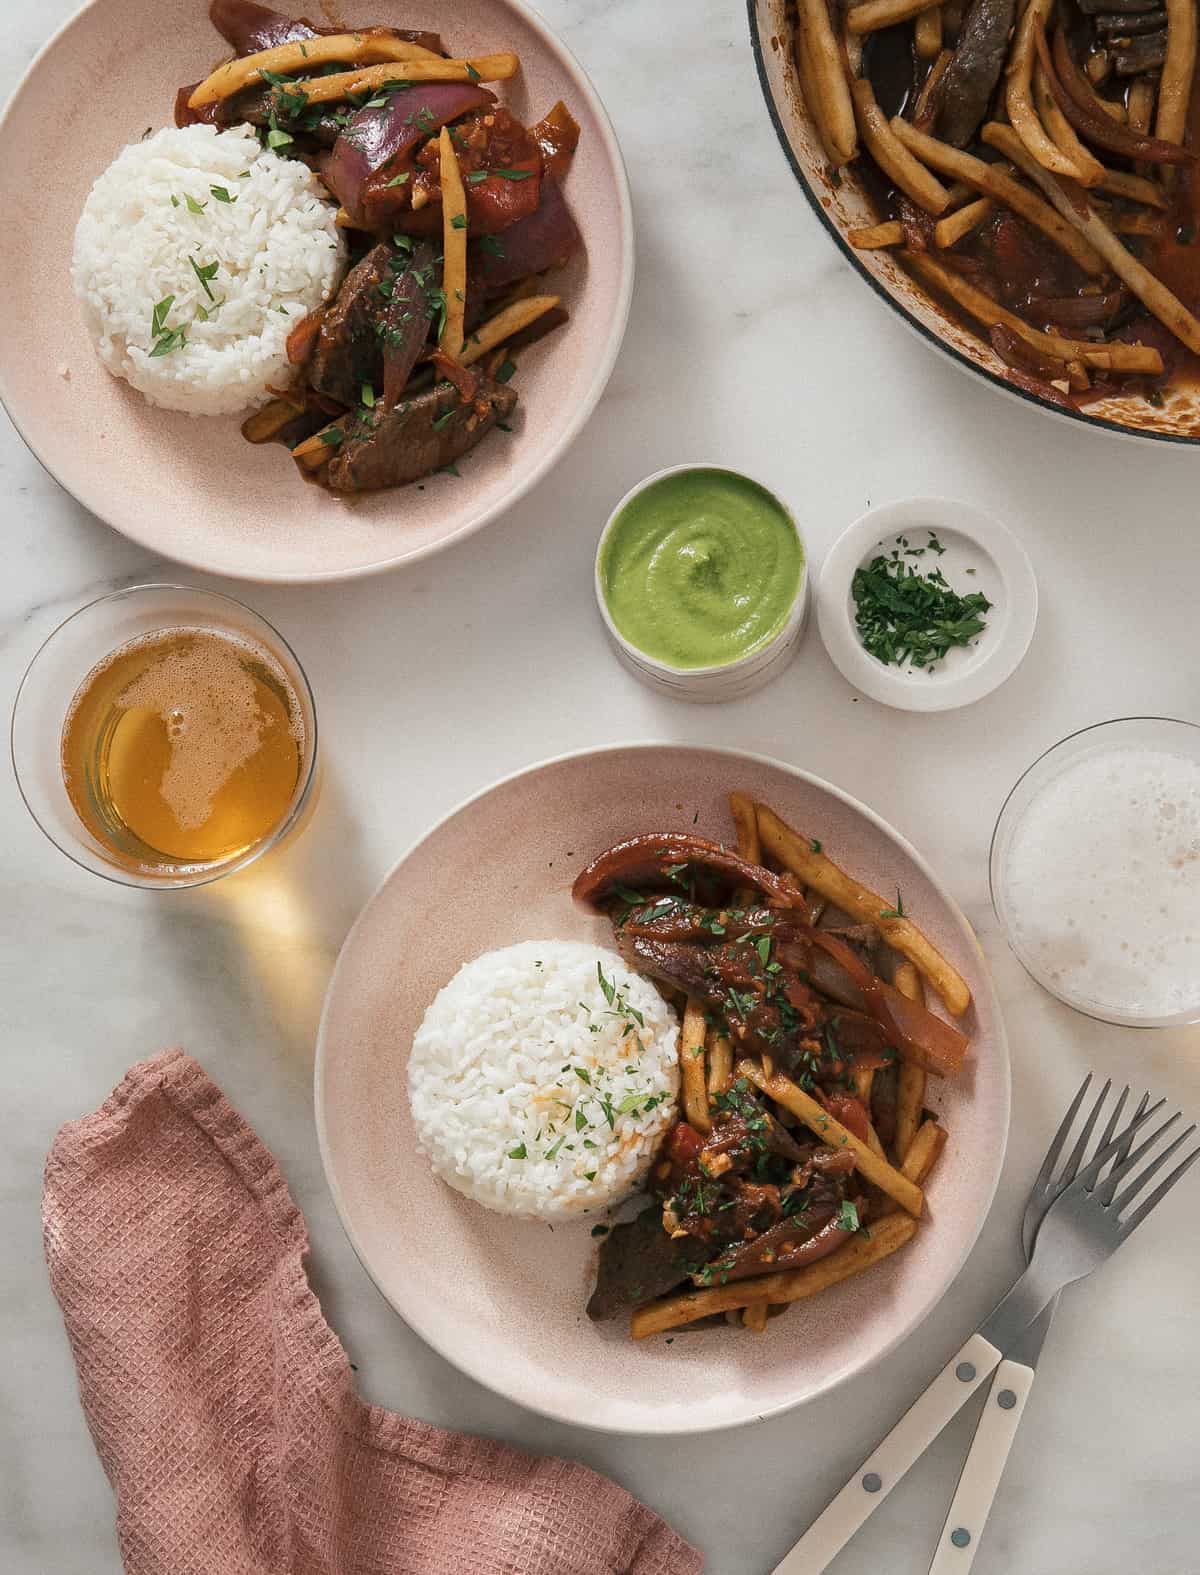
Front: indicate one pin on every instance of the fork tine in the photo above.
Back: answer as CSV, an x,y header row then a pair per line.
x,y
1060,1137
1159,1193
1123,1199
1071,1169
1110,1126
1126,1165
1086,1178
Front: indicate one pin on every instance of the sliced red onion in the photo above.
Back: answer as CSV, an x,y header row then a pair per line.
x,y
378,138
543,240
249,27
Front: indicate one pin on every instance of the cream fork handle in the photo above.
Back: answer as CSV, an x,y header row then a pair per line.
x,y
906,1443
982,1470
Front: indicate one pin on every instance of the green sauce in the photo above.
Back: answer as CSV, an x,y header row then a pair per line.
x,y
701,568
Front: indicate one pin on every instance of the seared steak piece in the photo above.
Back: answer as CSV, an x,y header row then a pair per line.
x,y
386,448
971,77
349,351
639,1261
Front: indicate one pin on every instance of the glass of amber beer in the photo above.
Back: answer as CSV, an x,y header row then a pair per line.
x,y
164,736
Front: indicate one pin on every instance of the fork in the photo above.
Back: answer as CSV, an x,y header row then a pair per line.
x,y
1074,1223
1009,1394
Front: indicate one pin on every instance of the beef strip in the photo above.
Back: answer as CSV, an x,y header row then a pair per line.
x,y
348,352
1133,56
388,448
639,1261
971,77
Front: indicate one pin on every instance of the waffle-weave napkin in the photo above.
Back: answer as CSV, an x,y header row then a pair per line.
x,y
220,1401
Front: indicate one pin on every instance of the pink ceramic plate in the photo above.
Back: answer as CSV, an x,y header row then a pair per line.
x,y
192,488
504,1299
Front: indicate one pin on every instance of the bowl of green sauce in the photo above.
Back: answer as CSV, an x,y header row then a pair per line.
x,y
702,582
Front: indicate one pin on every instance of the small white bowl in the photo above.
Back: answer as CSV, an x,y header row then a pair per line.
x,y
972,541
728,680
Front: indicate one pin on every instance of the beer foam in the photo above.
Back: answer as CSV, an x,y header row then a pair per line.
x,y
206,698
1101,882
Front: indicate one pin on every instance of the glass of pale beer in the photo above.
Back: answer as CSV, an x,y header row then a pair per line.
x,y
164,736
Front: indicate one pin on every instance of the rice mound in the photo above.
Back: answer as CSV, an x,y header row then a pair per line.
x,y
536,1094
278,251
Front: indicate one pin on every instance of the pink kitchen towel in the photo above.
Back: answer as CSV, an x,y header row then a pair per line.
x,y
221,1403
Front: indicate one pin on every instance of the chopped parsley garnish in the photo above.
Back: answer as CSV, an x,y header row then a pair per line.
x,y
443,420
506,174
165,338
476,176
815,845
554,1147
222,194
505,370
458,222
474,76
583,1074
894,913
204,272
520,1152
331,437
368,396
398,180
192,205
490,245
904,616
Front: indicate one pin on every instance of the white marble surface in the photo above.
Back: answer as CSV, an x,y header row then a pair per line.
x,y
750,342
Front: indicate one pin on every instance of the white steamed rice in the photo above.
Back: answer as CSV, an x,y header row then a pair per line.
x,y
278,251
532,1092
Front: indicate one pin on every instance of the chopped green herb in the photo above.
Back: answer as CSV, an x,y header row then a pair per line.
x,y
174,200
368,396
443,420
332,437
519,1152
402,243
474,177
278,139
204,272
583,1074
904,616
490,245
458,222
848,1216
893,913
398,180
815,845
192,204
222,194
581,1121
474,76
606,985
506,174
554,1148
505,370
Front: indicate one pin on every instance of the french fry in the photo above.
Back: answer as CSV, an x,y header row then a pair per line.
x,y
1134,188
482,68
787,1285
745,823
1062,133
1018,92
1140,108
923,1152
927,33
871,15
454,246
929,87
811,865
863,1080
312,454
508,321
1152,293
874,1144
691,1066
720,1063
828,79
877,236
911,1078
893,158
756,1317
1175,84
810,93
964,221
1115,357
830,1131
994,183
356,49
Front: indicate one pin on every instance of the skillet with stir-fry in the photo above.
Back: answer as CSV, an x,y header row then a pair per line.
x,y
1032,166
803,1140
453,209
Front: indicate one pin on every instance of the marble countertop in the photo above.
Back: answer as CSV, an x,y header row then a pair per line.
x,y
752,343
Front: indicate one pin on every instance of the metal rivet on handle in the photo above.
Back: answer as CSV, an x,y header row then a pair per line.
x,y
965,1371
1006,1399
960,1537
872,1482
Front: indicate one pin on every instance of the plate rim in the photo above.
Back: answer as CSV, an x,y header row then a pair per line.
x,y
427,1329
1079,418
584,411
